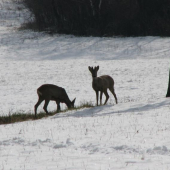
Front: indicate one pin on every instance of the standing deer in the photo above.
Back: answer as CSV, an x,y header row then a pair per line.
x,y
101,84
49,92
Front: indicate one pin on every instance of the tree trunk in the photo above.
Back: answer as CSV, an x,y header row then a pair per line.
x,y
168,92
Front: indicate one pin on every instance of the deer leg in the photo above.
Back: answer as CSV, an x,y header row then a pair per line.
x,y
114,94
107,96
97,95
101,93
45,105
36,106
58,106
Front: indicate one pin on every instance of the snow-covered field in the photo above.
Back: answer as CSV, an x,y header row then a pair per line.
x,y
132,135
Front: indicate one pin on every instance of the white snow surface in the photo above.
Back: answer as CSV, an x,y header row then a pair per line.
x,y
132,135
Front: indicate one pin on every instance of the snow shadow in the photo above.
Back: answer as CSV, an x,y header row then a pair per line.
x,y
116,109
87,112
144,107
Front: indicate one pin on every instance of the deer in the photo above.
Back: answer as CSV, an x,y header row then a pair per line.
x,y
101,84
50,92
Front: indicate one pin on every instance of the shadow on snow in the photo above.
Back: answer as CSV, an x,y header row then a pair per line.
x,y
110,110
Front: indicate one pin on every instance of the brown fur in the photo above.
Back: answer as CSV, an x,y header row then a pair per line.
x,y
101,84
49,92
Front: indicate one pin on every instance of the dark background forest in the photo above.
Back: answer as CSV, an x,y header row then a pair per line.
x,y
101,17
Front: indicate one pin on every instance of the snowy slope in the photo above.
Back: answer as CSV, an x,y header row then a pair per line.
x,y
132,135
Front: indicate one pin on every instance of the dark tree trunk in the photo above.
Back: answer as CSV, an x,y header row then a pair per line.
x,y
168,92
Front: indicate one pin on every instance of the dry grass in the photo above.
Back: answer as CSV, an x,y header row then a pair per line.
x,y
20,117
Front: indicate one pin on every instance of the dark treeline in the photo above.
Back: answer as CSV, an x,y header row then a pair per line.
x,y
102,17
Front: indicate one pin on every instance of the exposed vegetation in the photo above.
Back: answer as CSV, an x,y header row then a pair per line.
x,y
20,117
101,17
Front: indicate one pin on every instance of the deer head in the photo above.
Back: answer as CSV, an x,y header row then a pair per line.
x,y
94,71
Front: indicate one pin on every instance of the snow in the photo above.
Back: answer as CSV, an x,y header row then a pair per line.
x,y
132,135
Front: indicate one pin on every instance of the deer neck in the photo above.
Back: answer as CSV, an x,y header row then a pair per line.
x,y
94,79
95,83
68,102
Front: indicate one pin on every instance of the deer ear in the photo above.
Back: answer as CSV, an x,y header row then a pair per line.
x,y
73,100
97,68
90,68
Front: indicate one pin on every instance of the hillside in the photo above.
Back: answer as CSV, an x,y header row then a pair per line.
x,y
132,135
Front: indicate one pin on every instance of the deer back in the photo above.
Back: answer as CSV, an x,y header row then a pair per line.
x,y
53,92
102,83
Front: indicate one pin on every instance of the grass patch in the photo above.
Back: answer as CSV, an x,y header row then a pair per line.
x,y
20,117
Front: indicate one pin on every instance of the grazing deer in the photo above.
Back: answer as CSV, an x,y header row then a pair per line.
x,y
49,92
101,84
